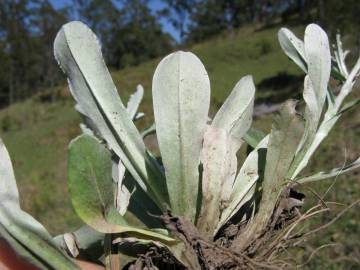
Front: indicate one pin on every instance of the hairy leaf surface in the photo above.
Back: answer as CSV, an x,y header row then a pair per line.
x,y
181,97
78,52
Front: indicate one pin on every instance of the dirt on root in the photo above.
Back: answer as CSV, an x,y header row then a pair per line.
x,y
220,253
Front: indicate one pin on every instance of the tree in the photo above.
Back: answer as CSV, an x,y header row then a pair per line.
x,y
27,28
139,38
129,32
178,13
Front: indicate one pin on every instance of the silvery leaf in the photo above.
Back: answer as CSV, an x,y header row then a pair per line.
x,y
78,52
181,97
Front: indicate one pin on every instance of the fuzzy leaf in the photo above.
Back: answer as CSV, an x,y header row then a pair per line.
x,y
293,47
216,166
332,173
319,61
25,234
181,97
315,91
235,115
134,101
91,190
284,138
253,137
79,55
244,184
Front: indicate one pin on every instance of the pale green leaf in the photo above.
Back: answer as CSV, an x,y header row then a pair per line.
x,y
91,188
25,234
284,138
293,47
319,61
134,101
216,166
235,115
244,184
85,239
332,173
79,54
181,97
253,137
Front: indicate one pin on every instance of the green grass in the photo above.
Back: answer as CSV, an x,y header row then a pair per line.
x,y
37,134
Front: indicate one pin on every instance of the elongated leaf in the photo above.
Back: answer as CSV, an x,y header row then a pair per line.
x,y
216,167
319,61
25,234
134,101
244,185
122,193
40,249
8,188
235,115
253,137
91,190
312,118
332,173
285,135
315,90
21,250
348,106
293,47
181,97
78,52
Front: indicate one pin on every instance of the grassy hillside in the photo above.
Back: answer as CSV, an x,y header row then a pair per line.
x,y
37,131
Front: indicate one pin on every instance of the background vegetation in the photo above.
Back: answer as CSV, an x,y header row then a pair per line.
x,y
232,38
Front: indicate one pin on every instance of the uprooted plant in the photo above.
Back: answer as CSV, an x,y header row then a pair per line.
x,y
192,208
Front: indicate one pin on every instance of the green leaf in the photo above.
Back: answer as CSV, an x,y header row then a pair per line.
x,y
253,137
317,52
79,54
91,188
332,173
8,189
221,143
315,91
216,168
235,115
25,234
348,106
245,182
293,47
284,138
134,101
85,239
181,97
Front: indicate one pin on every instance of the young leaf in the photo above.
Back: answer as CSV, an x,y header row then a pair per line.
x,y
293,47
315,90
319,61
332,173
91,188
134,101
78,52
181,97
219,154
235,115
